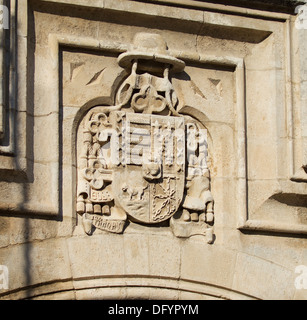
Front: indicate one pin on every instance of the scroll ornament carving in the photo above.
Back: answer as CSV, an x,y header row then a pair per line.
x,y
141,160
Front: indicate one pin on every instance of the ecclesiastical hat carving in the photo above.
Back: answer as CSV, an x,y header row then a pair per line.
x,y
147,46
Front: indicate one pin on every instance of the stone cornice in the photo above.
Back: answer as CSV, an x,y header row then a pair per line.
x,y
284,6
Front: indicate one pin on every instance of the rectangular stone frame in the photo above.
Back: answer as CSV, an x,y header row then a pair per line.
x,y
8,88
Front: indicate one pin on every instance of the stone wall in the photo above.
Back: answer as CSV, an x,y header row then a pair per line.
x,y
231,226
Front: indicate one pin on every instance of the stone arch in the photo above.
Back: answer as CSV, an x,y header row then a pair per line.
x,y
140,287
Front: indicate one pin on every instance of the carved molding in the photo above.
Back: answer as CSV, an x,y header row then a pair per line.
x,y
55,41
100,287
152,9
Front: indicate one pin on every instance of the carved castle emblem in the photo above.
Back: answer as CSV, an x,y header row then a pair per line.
x,y
141,160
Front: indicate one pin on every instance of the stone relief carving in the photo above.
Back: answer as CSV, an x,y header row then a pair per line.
x,y
141,160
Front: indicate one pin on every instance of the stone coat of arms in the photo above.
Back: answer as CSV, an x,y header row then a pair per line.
x,y
141,160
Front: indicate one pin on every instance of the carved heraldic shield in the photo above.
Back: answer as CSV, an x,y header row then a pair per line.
x,y
141,161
